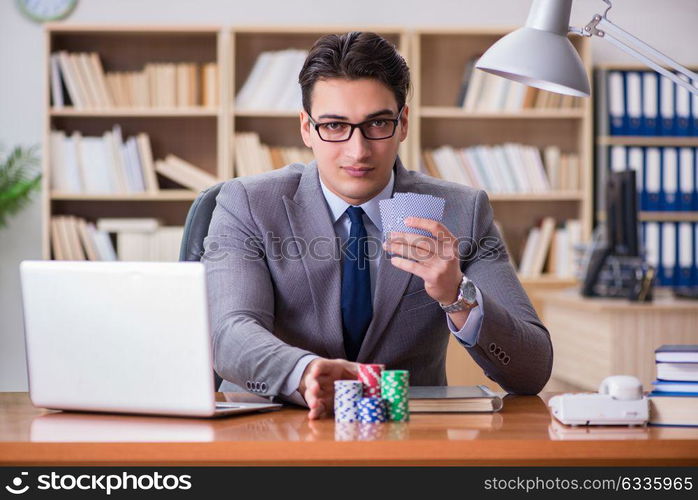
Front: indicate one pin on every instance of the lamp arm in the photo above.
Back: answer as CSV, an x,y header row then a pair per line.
x,y
600,26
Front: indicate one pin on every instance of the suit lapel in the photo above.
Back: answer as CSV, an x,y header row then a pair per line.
x,y
391,282
310,222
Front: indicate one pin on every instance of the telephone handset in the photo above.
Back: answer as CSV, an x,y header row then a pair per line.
x,y
620,401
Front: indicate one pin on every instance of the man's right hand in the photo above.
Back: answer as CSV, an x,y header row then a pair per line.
x,y
317,384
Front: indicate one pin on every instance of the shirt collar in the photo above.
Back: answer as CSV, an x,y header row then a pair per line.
x,y
338,206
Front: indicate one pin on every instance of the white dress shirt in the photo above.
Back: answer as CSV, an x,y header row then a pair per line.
x,y
467,335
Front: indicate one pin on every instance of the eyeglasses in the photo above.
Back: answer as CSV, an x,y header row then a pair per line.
x,y
374,129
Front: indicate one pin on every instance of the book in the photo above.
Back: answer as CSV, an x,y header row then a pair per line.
x,y
504,168
678,371
543,246
675,386
677,353
460,399
57,246
88,86
267,85
673,408
529,252
73,238
185,173
128,224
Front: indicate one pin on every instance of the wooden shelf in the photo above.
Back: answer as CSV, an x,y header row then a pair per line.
x,y
101,29
135,112
544,196
267,113
547,279
669,216
658,141
162,195
527,114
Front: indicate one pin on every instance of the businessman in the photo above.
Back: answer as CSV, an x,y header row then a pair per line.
x,y
302,285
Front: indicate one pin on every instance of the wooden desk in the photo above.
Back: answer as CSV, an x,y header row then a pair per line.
x,y
523,433
596,337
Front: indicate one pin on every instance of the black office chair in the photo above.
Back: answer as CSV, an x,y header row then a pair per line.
x,y
195,230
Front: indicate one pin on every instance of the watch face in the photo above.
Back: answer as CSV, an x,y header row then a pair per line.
x,y
468,291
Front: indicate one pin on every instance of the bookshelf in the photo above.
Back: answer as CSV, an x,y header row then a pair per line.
x,y
439,57
634,151
195,133
604,140
204,136
281,127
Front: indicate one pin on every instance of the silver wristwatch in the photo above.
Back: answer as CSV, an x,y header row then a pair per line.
x,y
467,297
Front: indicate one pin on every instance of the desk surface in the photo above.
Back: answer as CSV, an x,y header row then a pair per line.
x,y
523,433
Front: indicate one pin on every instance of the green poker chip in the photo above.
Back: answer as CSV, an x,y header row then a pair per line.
x,y
394,390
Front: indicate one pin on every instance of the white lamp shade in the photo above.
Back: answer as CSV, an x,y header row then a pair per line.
x,y
537,58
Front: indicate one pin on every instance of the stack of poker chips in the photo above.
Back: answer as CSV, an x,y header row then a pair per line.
x,y
395,385
372,411
378,396
347,394
370,377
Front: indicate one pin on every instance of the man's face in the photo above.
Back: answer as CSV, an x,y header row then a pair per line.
x,y
358,169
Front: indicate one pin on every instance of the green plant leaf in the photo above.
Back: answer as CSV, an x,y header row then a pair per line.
x,y
18,180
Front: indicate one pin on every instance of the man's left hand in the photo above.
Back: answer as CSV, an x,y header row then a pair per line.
x,y
435,260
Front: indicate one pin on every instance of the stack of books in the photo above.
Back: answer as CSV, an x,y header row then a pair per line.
x,y
484,92
551,248
73,238
111,165
252,157
674,398
143,239
79,80
137,239
273,82
505,168
453,399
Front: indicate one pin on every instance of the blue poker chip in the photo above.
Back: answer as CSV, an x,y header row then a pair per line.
x,y
372,410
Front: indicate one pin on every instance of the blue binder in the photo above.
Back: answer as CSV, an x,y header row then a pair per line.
x,y
683,110
669,194
669,253
650,102
667,106
636,162
616,103
633,100
687,179
653,179
694,112
684,245
695,178
694,270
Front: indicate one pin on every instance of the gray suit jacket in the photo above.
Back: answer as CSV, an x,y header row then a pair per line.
x,y
274,276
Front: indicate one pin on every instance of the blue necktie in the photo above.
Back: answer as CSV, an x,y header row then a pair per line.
x,y
357,308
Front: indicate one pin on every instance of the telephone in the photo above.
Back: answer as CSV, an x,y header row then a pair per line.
x,y
620,401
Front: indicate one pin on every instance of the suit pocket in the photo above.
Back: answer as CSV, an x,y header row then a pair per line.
x,y
415,300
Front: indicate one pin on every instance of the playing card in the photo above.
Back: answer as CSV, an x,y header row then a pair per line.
x,y
423,205
402,205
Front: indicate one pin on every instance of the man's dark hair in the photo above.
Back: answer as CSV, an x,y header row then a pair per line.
x,y
352,56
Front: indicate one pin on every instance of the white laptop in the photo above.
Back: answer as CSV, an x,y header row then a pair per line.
x,y
127,337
